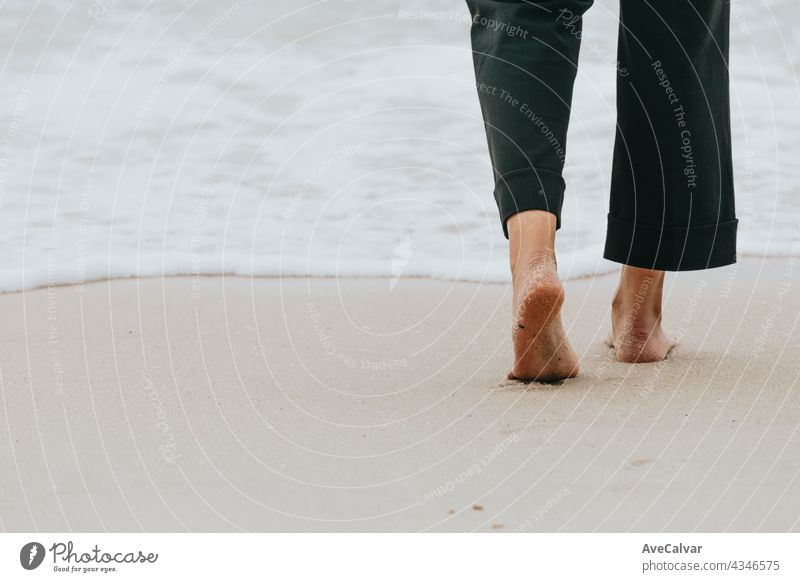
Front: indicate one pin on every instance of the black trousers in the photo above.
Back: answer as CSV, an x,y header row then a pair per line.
x,y
672,198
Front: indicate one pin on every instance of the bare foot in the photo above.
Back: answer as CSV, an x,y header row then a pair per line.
x,y
541,349
636,332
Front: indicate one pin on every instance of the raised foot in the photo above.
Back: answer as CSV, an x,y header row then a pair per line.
x,y
541,350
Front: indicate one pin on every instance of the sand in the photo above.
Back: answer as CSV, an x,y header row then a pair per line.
x,y
227,404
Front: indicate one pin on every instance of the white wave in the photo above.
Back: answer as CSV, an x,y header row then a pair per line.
x,y
146,139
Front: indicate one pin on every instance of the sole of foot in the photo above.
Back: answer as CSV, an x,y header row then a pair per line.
x,y
541,350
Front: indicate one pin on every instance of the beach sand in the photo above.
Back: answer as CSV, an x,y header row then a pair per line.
x,y
226,404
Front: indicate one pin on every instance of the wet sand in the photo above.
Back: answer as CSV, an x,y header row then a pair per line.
x,y
226,404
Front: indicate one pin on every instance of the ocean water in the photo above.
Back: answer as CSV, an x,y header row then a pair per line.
x,y
142,138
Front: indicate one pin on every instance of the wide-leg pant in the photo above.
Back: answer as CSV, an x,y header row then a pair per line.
x,y
672,198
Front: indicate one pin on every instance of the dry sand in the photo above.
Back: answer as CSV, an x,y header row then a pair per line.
x,y
339,405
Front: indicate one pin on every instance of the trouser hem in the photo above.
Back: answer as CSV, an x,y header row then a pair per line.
x,y
671,248
529,189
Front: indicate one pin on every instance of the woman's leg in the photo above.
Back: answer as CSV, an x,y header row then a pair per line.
x,y
672,198
526,56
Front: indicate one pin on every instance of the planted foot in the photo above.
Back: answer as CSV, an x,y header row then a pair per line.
x,y
636,332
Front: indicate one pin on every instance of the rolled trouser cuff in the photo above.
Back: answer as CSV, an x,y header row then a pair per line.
x,y
671,248
529,189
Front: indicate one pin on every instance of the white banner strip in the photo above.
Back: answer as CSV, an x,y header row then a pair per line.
x,y
400,557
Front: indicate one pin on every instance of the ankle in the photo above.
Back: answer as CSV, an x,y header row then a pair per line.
x,y
531,238
525,258
535,269
639,295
